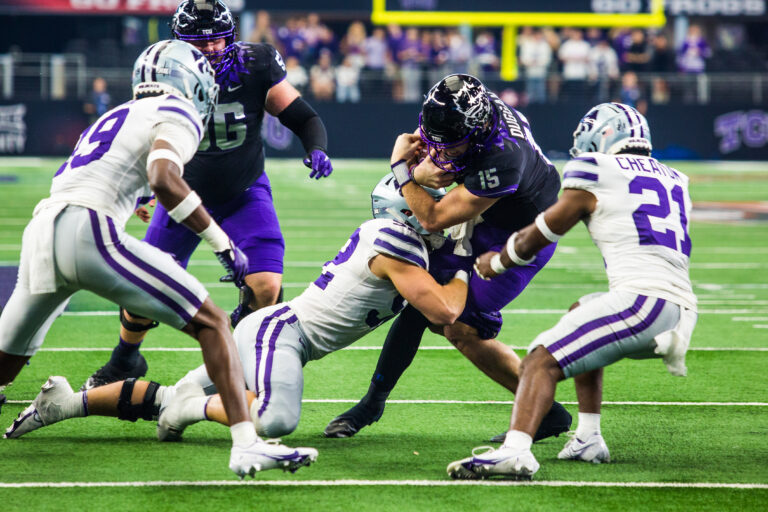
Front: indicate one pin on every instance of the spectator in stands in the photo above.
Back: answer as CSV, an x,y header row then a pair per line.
x,y
486,54
410,56
692,54
353,44
594,36
99,100
295,74
326,42
638,54
622,40
630,89
663,58
459,51
603,69
377,60
321,78
535,58
348,81
263,32
291,40
439,58
574,54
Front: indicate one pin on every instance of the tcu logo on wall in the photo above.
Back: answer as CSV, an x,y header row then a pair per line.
x,y
741,128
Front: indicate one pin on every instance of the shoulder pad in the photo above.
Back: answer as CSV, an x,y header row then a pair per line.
x,y
583,171
399,241
181,112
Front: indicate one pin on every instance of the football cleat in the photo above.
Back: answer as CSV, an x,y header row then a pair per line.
x,y
173,417
110,373
505,462
554,423
265,455
592,450
45,410
351,422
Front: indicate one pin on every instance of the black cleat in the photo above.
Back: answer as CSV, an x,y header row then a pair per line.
x,y
110,373
351,422
554,423
2,401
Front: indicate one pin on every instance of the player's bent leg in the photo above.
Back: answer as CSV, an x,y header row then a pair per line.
x,y
126,361
400,347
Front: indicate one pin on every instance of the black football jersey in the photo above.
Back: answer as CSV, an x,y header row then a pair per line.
x,y
231,154
511,166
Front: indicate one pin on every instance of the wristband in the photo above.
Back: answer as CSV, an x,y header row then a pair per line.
x,y
166,154
215,236
517,260
496,264
401,172
548,233
243,433
185,208
462,276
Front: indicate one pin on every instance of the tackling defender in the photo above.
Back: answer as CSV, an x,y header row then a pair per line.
x,y
76,241
505,180
228,169
636,210
383,264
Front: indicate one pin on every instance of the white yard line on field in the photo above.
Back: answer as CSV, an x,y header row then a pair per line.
x,y
383,483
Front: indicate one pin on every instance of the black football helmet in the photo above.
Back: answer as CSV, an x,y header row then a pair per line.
x,y
455,110
205,20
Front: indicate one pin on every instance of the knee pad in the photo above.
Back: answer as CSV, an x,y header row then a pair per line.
x,y
146,410
136,326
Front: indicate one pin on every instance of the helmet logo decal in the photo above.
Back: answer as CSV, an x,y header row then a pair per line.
x,y
469,102
431,97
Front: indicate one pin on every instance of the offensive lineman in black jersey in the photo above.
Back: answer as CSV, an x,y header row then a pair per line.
x,y
227,172
469,136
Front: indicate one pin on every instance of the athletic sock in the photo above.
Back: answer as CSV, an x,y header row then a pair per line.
x,y
75,405
589,425
517,440
125,355
193,408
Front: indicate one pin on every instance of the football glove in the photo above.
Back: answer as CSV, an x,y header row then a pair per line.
x,y
320,164
243,308
235,262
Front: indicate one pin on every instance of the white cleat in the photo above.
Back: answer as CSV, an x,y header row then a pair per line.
x,y
45,410
592,450
518,464
174,416
261,456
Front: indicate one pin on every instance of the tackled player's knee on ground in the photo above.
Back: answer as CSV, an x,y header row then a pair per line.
x,y
275,423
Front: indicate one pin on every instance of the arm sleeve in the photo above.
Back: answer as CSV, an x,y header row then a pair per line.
x,y
301,119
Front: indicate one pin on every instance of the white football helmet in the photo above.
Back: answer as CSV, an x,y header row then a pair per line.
x,y
388,203
176,67
611,128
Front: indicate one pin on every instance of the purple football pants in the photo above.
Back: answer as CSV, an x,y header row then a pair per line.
x,y
249,220
486,299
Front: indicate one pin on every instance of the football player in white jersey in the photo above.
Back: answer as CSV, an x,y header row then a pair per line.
x,y
76,241
383,264
636,210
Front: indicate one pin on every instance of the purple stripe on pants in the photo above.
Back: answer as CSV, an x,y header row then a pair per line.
x,y
148,288
597,323
260,341
149,269
615,336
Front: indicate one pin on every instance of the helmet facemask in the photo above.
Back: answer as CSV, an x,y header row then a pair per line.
x,y
198,21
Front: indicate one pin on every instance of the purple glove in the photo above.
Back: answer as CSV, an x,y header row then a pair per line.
x,y
235,262
320,164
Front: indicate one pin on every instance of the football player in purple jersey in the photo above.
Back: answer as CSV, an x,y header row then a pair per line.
x,y
228,169
466,135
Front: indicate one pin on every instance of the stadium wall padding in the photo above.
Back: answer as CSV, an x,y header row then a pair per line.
x,y
368,130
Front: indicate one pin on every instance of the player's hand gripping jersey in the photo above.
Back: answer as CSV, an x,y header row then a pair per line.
x,y
347,301
107,171
640,223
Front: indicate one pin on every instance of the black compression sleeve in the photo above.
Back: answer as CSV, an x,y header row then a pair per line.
x,y
399,349
302,120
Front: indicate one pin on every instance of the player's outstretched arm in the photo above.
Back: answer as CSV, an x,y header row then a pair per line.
x,y
442,305
523,245
164,170
284,102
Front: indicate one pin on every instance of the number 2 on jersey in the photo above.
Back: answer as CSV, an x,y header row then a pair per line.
x,y
641,216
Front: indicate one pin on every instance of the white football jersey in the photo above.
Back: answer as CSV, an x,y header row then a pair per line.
x,y
107,170
640,223
348,301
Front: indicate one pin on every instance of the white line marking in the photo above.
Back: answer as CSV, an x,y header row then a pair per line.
x,y
383,483
365,347
506,402
760,326
750,318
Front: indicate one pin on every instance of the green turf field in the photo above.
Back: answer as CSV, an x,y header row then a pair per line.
x,y
695,443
